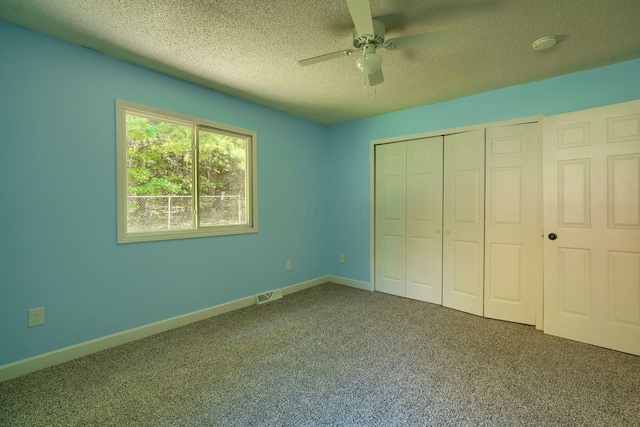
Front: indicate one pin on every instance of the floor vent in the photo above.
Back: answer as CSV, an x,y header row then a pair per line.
x,y
268,296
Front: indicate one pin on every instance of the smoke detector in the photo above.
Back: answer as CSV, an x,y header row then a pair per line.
x,y
545,43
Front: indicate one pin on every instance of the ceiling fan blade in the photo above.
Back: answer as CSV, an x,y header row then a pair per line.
x,y
360,11
376,78
326,57
436,38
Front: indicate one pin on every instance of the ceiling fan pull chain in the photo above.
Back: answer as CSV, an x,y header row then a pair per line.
x,y
364,60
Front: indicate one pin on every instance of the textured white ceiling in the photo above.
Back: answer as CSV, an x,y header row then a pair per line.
x,y
250,48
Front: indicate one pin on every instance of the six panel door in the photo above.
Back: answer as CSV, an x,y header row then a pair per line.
x,y
592,212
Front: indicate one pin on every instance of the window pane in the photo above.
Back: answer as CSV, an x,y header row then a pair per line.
x,y
221,179
159,175
164,161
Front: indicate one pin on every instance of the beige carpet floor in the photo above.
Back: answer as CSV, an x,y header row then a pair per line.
x,y
335,356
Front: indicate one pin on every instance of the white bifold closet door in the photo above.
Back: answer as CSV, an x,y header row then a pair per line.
x,y
390,213
430,225
513,241
463,243
408,228
424,220
592,226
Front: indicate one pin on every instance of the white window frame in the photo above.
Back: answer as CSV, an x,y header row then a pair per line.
x,y
251,191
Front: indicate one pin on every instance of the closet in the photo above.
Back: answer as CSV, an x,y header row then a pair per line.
x,y
457,220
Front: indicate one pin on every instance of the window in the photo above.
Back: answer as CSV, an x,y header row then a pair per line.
x,y
181,177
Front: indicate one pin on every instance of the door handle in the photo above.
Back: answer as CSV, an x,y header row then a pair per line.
x,y
446,231
553,236
437,231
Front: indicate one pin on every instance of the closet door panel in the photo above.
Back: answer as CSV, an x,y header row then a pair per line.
x,y
463,244
390,212
466,255
424,220
513,240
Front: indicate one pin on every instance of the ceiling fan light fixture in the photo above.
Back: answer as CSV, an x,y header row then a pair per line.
x,y
369,63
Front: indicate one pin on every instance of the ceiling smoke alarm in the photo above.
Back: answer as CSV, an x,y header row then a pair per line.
x,y
545,43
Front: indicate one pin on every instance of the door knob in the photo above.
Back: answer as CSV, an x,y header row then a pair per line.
x,y
437,231
446,231
553,236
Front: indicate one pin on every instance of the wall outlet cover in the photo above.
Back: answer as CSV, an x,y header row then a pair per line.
x,y
36,316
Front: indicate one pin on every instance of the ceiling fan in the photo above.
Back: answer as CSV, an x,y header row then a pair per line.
x,y
368,35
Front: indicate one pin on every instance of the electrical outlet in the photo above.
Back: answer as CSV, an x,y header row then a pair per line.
x,y
36,316
341,259
289,266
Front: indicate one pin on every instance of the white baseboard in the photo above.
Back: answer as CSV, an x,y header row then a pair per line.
x,y
35,363
366,286
304,285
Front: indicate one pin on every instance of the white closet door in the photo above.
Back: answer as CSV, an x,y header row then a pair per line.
x,y
390,213
512,229
424,220
463,245
592,203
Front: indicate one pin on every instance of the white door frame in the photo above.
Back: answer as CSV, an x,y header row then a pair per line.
x,y
372,171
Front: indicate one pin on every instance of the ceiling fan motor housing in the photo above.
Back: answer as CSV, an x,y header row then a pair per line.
x,y
377,38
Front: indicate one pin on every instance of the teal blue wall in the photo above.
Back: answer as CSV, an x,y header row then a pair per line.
x,y
58,201
349,143
57,181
